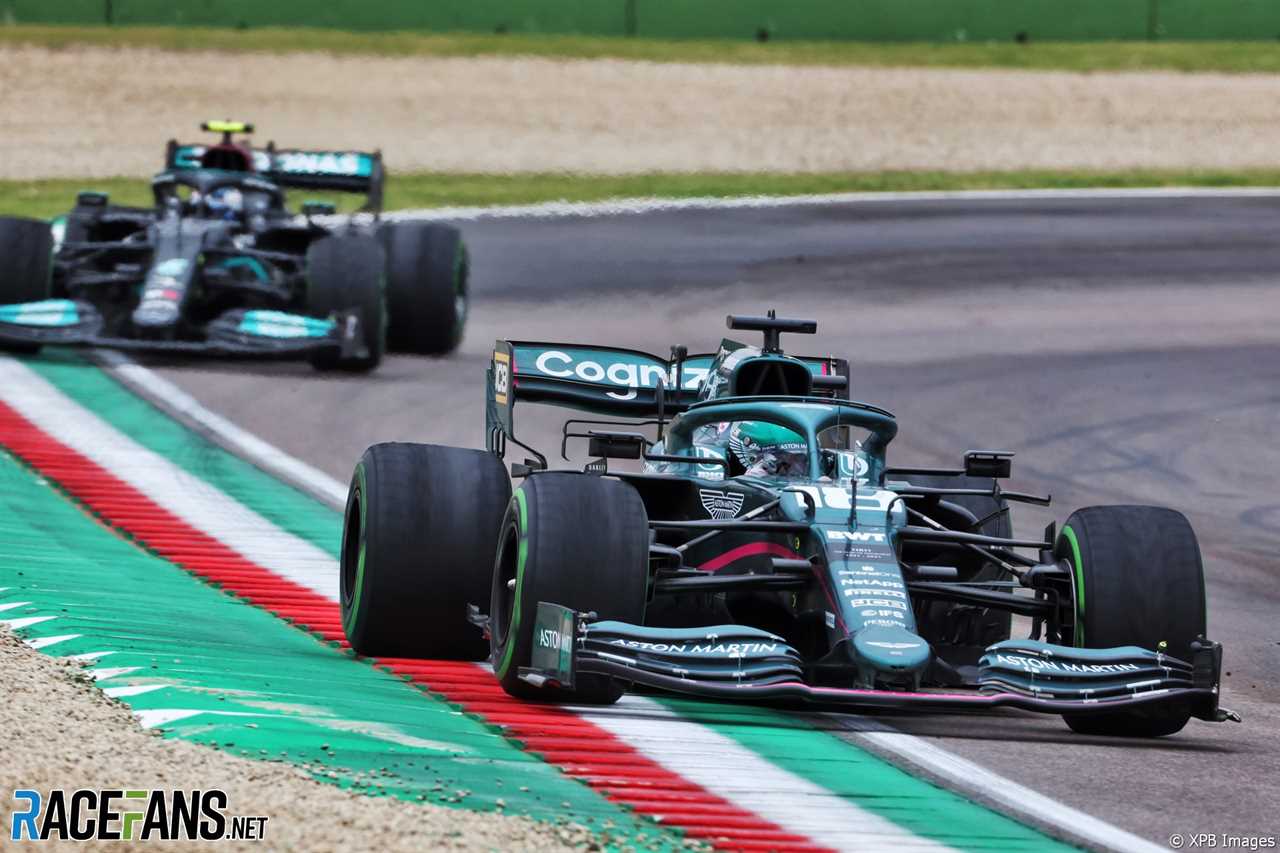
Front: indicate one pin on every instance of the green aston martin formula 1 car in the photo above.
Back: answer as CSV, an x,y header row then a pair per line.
x,y
218,265
761,548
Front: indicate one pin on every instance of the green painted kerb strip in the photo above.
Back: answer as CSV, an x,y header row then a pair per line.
x,y
281,504
239,679
1078,631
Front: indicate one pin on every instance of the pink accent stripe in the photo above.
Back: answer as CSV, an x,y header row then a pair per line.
x,y
752,549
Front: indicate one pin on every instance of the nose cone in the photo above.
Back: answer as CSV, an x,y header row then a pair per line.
x,y
891,651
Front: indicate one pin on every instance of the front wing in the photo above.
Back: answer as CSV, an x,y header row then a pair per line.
x,y
236,333
737,663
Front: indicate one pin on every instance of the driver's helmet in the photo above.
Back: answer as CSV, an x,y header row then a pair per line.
x,y
225,203
769,450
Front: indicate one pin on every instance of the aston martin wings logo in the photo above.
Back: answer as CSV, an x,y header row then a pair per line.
x,y
720,504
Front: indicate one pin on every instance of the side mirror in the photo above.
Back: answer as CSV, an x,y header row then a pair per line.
x,y
616,445
88,198
831,383
996,464
318,208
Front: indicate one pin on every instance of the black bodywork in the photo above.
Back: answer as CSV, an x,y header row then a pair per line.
x,y
183,276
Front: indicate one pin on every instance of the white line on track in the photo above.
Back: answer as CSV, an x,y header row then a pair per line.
x,y
45,642
626,206
25,622
1011,796
960,774
106,672
185,409
192,499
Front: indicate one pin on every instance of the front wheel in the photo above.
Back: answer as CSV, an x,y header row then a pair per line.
x,y
26,247
1138,581
577,540
417,548
346,273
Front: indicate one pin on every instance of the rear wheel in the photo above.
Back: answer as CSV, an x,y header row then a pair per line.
x,y
26,254
346,273
427,270
418,547
1138,581
577,540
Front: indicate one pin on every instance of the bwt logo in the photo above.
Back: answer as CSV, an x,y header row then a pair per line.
x,y
853,536
117,814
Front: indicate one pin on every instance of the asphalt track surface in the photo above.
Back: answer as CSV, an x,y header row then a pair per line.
x,y
1127,349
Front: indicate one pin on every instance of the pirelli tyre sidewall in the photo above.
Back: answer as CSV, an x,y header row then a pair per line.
x,y
417,547
347,272
578,540
427,286
1137,579
26,255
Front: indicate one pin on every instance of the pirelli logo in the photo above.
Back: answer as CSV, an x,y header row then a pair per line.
x,y
501,377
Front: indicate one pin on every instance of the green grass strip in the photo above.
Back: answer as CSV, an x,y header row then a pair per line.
x,y
867,781
263,689
45,198
1228,56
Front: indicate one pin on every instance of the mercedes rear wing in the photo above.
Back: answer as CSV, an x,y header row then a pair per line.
x,y
605,381
359,172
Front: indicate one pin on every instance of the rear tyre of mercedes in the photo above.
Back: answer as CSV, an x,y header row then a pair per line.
x,y
26,263
427,298
347,273
418,545
1138,581
578,540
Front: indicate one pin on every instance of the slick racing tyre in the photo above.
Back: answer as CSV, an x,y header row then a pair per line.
x,y
418,546
346,272
427,298
577,540
26,254
961,633
1138,581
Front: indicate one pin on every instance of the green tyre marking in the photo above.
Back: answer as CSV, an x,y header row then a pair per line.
x,y
522,553
349,615
1078,565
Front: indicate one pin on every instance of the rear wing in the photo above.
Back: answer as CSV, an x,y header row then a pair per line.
x,y
358,172
606,381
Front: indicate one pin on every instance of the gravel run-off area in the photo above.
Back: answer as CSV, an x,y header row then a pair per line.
x,y
59,731
100,112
